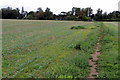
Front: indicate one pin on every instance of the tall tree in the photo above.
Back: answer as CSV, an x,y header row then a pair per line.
x,y
31,15
48,14
47,9
77,11
98,15
105,16
73,11
9,13
89,11
99,11
40,15
40,9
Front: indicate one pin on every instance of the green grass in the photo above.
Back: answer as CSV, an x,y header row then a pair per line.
x,y
75,65
31,47
48,49
108,60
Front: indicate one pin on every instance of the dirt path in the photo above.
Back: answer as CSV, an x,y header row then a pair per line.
x,y
92,62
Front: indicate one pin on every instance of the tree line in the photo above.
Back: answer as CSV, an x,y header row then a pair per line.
x,y
79,14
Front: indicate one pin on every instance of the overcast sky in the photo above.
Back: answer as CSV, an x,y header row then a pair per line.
x,y
57,6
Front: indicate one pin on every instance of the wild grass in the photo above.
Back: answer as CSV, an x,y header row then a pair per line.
x,y
31,47
50,49
108,60
76,64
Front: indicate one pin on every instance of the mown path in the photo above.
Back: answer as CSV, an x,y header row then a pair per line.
x,y
93,60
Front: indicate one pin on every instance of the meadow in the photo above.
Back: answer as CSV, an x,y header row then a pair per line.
x,y
51,49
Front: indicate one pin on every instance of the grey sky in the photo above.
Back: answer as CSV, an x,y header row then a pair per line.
x,y
57,6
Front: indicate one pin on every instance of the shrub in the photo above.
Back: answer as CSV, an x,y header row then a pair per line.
x,y
85,18
78,27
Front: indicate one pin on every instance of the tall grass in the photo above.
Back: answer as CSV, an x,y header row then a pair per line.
x,y
76,64
108,60
31,47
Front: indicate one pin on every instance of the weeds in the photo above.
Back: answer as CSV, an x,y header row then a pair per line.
x,y
75,65
53,50
78,27
108,60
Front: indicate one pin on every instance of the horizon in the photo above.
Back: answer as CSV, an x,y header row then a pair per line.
x,y
57,7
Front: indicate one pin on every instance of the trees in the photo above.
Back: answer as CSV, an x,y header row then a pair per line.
x,y
105,16
39,15
73,11
98,15
23,13
9,13
114,15
89,11
48,15
40,9
30,15
82,13
76,13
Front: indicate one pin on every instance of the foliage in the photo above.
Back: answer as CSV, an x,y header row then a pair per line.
x,y
9,13
78,27
30,15
84,27
85,18
48,14
83,14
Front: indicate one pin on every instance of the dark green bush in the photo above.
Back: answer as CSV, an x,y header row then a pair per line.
x,y
78,27
85,18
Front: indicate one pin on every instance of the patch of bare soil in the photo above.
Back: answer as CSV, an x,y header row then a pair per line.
x,y
93,60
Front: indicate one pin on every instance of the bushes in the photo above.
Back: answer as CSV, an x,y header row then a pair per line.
x,y
85,18
84,27
78,27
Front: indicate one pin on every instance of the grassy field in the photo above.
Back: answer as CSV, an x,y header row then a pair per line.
x,y
52,49
108,61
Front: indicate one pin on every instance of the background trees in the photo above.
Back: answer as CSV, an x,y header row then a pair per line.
x,y
40,14
112,16
76,13
80,13
48,15
30,15
98,15
9,13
